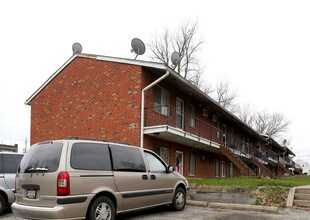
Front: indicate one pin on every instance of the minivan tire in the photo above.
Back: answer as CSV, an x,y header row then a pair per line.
x,y
179,199
2,205
102,207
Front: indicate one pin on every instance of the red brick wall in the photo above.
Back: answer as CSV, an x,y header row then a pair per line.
x,y
89,98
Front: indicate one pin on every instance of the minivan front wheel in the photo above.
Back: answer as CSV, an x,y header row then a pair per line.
x,y
179,199
2,205
102,209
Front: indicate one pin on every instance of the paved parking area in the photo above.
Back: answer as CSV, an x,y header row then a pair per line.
x,y
201,213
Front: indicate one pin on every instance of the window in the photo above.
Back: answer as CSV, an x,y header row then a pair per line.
x,y
163,152
192,120
45,155
155,164
90,156
214,118
223,169
217,168
192,164
205,112
231,169
161,101
10,162
127,159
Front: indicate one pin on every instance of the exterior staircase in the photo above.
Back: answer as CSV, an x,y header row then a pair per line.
x,y
237,161
286,170
299,197
302,197
265,171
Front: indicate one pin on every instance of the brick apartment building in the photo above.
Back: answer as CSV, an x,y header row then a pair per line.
x,y
9,148
102,97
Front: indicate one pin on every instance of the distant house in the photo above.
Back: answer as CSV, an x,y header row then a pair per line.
x,y
11,148
102,97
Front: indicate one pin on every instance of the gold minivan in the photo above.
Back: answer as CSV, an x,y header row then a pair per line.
x,y
87,179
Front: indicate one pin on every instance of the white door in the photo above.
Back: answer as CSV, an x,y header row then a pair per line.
x,y
180,113
179,162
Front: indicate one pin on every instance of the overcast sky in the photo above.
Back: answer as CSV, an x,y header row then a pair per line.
x,y
261,47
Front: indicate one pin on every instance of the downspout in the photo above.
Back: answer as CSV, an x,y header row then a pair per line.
x,y
142,104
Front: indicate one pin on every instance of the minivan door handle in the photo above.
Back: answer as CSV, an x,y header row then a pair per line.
x,y
145,177
153,177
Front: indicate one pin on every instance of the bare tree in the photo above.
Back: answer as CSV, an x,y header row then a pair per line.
x,y
223,94
186,42
271,124
274,125
246,114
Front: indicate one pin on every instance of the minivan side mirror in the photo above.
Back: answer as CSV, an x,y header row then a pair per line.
x,y
170,169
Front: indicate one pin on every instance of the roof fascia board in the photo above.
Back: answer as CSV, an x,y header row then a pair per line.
x,y
133,62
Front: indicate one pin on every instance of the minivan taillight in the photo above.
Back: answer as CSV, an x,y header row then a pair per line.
x,y
63,184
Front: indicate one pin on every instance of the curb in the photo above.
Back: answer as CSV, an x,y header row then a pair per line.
x,y
244,207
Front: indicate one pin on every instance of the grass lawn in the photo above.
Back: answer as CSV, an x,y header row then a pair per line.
x,y
268,192
290,181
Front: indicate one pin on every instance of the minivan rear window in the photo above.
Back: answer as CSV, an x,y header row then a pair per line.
x,y
41,158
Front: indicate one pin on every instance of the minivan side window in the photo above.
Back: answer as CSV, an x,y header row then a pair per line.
x,y
127,159
155,164
1,163
90,156
44,155
11,162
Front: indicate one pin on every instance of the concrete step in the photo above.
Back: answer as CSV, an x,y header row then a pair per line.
x,y
303,190
300,196
302,203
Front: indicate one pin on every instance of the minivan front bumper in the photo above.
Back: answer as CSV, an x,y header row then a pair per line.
x,y
57,212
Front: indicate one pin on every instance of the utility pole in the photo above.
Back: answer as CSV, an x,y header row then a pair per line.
x,y
25,148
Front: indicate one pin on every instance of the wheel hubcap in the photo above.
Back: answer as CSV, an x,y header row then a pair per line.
x,y
179,199
103,211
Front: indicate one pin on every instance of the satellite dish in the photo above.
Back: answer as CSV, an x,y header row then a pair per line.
x,y
137,46
175,58
77,48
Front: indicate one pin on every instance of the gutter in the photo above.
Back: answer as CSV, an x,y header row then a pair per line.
x,y
142,104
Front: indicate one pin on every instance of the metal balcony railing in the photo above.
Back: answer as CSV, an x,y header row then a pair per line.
x,y
272,156
170,116
238,146
262,156
282,161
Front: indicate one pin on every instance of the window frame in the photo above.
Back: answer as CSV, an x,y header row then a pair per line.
x,y
161,100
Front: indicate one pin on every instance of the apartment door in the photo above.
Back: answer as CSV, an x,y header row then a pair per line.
x,y
180,113
179,162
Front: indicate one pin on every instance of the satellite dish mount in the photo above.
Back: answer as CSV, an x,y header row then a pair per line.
x,y
137,46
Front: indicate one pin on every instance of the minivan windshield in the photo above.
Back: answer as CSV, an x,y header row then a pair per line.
x,y
43,157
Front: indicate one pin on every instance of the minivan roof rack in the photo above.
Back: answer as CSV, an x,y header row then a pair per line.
x,y
92,139
85,138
